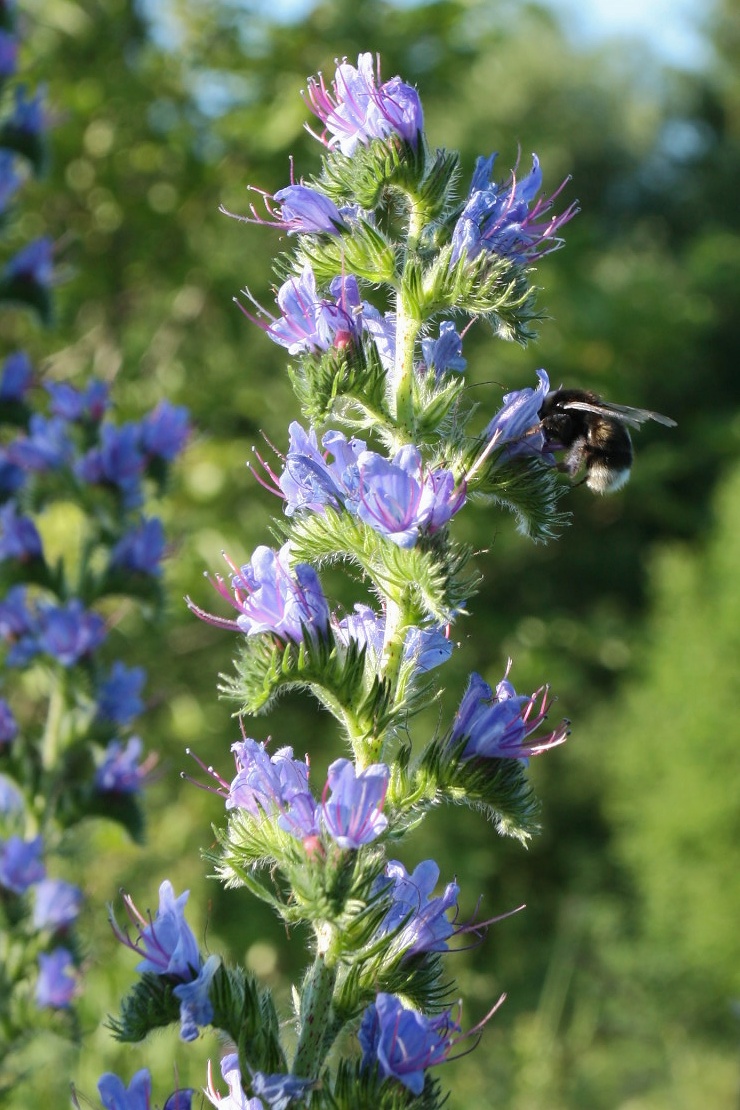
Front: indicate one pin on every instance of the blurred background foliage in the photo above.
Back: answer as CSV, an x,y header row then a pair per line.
x,y
623,973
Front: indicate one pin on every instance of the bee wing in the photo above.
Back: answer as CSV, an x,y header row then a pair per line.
x,y
623,413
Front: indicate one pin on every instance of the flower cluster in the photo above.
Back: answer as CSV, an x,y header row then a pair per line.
x,y
66,749
385,457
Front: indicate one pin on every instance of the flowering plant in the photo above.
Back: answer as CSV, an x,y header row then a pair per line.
x,y
386,258
74,543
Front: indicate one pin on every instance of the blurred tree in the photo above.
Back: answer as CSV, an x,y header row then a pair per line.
x,y
167,111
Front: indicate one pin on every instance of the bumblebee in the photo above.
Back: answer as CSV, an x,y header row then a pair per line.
x,y
594,436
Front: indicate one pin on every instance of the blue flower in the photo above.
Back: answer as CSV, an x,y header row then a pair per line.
x,y
279,1091
358,108
46,447
8,54
19,537
303,209
399,498
69,632
117,462
141,550
120,772
402,1042
56,904
273,596
498,725
16,377
18,627
77,405
313,323
10,179
427,648
272,784
56,983
20,863
196,1009
115,1096
498,218
236,1098
352,815
8,724
166,942
516,426
445,353
28,114
33,263
310,480
11,799
118,695
416,918
164,432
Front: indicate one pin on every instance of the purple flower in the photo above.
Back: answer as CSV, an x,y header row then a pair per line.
x,y
352,814
426,647
381,327
8,54
166,943
164,432
396,497
28,114
77,405
399,499
279,1091
416,918
56,983
303,209
8,724
498,218
359,109
118,695
196,1009
20,863
312,323
18,627
11,799
33,263
115,1096
180,1099
518,418
117,462
120,772
12,477
402,1042
273,596
10,180
141,550
497,725
46,447
273,784
445,353
169,948
16,377
19,537
236,1099
311,479
56,904
516,426
69,632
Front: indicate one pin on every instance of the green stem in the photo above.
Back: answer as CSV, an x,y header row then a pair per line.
x,y
396,624
402,401
319,1023
52,728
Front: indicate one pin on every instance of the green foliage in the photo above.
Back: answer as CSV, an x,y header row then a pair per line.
x,y
645,303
